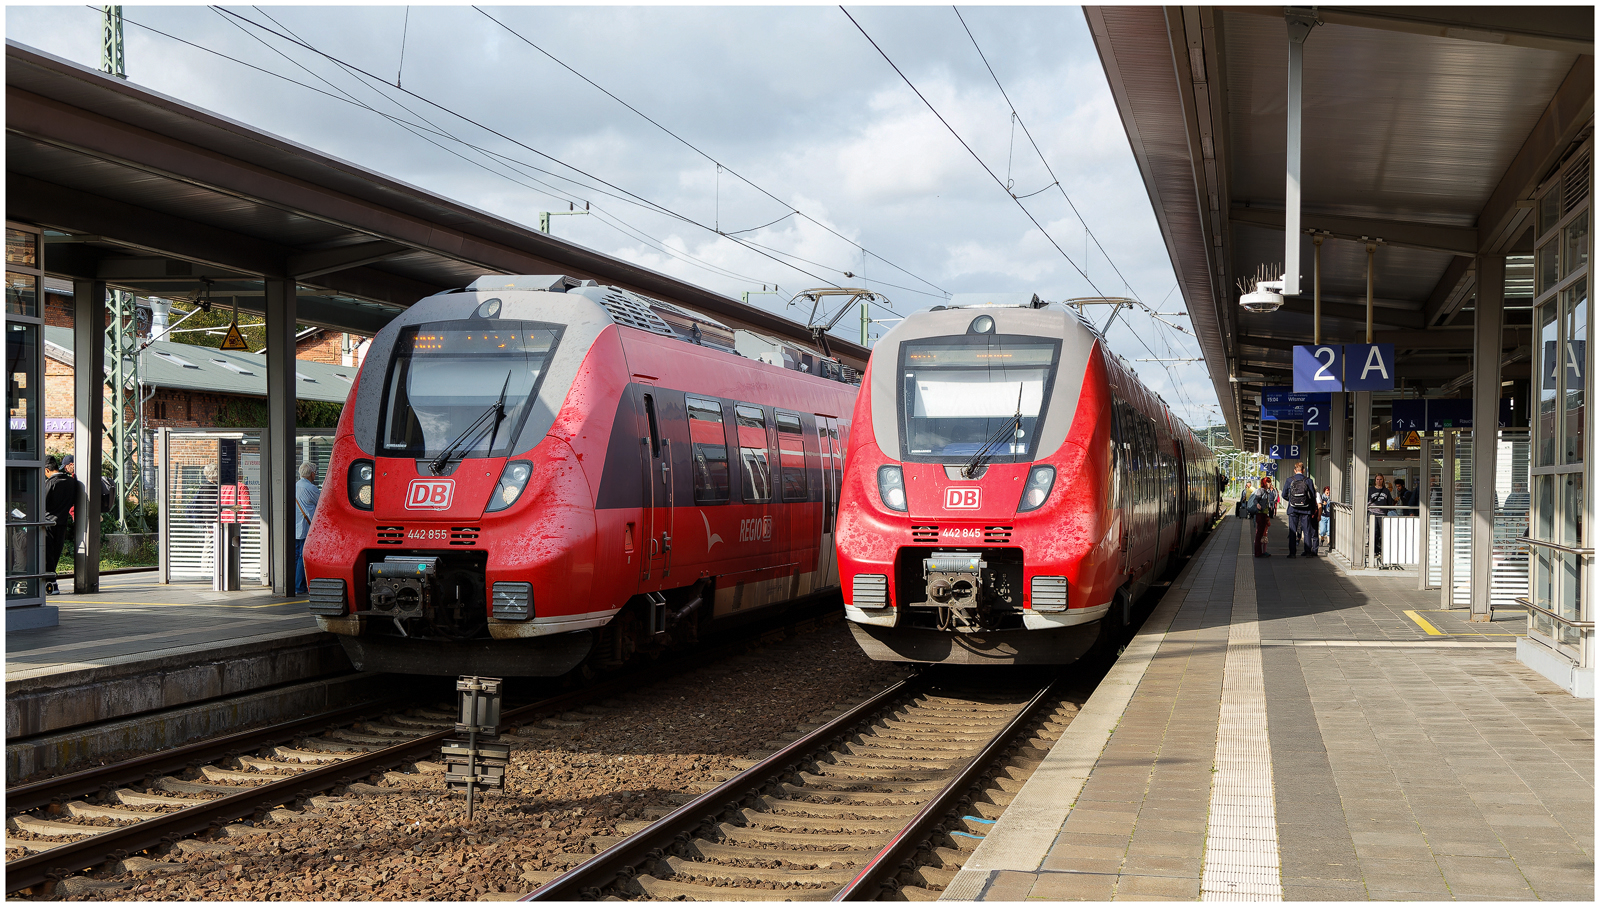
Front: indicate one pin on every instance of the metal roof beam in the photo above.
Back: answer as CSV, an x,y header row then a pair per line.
x,y
306,265
1437,339
1451,292
1558,127
1566,29
1382,314
1432,237
216,254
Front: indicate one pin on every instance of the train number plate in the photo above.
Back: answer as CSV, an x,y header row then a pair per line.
x,y
430,494
428,534
960,497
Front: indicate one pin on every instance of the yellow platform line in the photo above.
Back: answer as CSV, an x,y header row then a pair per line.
x,y
1427,628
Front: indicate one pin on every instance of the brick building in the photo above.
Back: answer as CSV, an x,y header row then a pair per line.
x,y
192,386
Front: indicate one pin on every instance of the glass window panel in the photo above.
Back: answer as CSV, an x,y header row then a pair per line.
x,y
22,542
792,458
1544,523
1574,362
710,451
1549,265
752,431
22,391
22,248
1570,531
1575,253
22,294
1549,210
1542,625
1549,369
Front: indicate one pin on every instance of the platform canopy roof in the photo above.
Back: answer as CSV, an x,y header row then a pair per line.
x,y
1427,128
162,198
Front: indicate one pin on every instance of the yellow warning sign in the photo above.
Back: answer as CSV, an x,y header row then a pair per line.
x,y
1413,440
235,340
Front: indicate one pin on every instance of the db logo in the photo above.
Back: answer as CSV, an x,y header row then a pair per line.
x,y
430,494
961,498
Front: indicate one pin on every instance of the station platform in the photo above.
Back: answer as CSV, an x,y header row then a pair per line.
x,y
141,664
1281,730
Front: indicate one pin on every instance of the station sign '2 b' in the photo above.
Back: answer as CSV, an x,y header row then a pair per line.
x,y
1344,367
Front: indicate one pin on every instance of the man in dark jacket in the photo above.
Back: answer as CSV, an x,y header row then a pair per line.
x,y
1379,502
1300,496
60,496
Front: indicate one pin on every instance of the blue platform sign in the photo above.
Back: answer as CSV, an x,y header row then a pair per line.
x,y
1284,452
1319,368
1283,404
1318,416
1369,366
1410,415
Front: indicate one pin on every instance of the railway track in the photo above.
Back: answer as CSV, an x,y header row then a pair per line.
x,y
886,798
109,815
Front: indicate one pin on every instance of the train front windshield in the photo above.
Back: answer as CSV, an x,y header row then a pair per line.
x,y
445,376
973,393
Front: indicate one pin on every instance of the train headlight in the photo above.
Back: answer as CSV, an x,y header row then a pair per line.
x,y
513,479
358,483
1040,480
892,487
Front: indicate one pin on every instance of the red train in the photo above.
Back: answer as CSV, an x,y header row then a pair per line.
x,y
534,473
1011,489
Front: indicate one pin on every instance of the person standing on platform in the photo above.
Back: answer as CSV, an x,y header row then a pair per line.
x,y
1325,506
1244,501
1300,497
306,494
60,497
1379,501
1263,504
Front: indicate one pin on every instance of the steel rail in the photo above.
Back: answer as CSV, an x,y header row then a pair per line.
x,y
94,849
92,781
29,871
587,878
868,883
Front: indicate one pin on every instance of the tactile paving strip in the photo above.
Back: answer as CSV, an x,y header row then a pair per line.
x,y
1242,831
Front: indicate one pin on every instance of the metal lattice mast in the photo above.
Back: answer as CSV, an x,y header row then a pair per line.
x,y
111,42
125,427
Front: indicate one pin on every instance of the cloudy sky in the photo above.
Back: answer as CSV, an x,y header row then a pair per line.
x,y
794,103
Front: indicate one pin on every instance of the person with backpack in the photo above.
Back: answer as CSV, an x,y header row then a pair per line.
x,y
1263,504
1301,497
1244,501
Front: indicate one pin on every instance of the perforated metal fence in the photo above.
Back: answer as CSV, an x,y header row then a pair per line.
x,y
207,477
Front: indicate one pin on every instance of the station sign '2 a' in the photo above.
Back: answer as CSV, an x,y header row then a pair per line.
x,y
1344,367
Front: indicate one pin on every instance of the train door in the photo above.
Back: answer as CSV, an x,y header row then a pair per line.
x,y
795,491
656,457
755,479
832,460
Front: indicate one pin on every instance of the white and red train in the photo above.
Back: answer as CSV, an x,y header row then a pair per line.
x,y
534,473
1011,488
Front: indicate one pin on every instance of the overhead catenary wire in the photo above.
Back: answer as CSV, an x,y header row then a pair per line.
x,y
420,132
648,203
1177,387
605,217
986,169
697,150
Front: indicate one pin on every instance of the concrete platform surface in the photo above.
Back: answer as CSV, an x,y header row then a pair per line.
x,y
1279,730
133,618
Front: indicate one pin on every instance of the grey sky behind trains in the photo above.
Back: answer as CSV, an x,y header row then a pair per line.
x,y
793,98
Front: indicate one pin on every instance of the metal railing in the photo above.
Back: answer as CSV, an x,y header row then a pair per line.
x,y
1344,541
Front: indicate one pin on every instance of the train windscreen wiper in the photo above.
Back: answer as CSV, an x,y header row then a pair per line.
x,y
495,412
1008,430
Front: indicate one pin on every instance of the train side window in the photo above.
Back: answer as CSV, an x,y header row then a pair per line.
x,y
792,457
756,481
710,448
655,431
